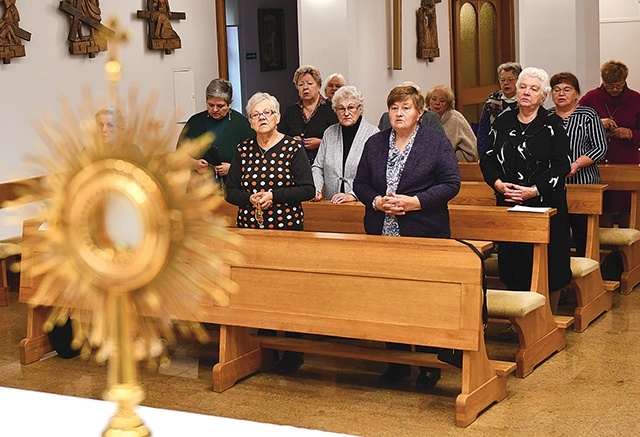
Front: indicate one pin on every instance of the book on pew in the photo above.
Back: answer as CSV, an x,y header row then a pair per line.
x,y
522,208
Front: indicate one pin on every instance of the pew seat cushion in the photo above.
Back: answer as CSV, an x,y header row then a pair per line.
x,y
10,246
581,267
619,236
505,303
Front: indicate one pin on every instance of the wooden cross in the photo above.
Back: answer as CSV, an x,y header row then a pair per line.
x,y
161,34
11,33
84,44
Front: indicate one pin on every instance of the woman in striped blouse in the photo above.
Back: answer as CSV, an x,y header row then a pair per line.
x,y
588,143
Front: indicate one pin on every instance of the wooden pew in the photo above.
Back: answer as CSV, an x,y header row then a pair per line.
x,y
594,295
429,292
540,335
624,177
10,248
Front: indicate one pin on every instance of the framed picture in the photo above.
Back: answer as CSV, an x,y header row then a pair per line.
x,y
271,38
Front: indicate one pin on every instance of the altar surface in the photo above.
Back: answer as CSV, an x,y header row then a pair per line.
x,y
69,416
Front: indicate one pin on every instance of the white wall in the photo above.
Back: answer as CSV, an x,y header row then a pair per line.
x,y
560,35
620,35
353,37
32,85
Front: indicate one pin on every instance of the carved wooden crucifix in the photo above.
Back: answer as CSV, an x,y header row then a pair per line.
x,y
161,34
85,13
11,35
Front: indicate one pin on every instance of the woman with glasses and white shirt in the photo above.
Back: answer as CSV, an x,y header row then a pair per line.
x,y
270,176
587,143
339,154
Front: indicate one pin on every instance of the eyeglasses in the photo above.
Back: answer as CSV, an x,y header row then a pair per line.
x,y
614,86
507,79
564,91
266,114
350,108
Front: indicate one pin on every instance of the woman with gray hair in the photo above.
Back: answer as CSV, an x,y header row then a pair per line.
x,y
337,161
307,119
440,100
269,179
526,163
498,101
334,82
229,128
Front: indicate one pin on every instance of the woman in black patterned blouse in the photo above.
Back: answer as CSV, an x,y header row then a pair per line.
x,y
270,175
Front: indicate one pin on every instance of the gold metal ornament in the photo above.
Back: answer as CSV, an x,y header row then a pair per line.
x,y
128,244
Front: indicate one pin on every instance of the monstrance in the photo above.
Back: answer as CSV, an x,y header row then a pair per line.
x,y
132,242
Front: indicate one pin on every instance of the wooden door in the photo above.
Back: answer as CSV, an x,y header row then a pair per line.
x,y
482,39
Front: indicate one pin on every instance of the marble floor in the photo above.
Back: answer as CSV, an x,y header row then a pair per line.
x,y
591,388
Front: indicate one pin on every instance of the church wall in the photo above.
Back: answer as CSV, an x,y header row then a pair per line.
x,y
33,84
620,35
358,45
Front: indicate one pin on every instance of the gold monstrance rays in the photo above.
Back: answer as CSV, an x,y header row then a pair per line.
x,y
124,289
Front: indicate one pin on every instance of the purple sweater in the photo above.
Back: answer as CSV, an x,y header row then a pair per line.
x,y
431,173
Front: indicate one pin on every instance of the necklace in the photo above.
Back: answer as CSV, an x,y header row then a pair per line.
x,y
611,114
524,128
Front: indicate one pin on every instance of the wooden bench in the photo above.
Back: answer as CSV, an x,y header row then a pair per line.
x,y
410,290
593,295
624,177
540,335
10,248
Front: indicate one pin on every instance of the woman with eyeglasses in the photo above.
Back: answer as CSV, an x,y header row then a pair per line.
x,y
440,101
269,179
307,119
270,175
619,109
342,144
587,144
498,101
406,177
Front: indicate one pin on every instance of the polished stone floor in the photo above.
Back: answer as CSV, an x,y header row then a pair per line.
x,y
591,388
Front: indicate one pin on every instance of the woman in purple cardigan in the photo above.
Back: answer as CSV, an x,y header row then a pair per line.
x,y
405,178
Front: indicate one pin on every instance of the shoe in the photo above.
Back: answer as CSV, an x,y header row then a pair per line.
x,y
427,378
290,362
394,373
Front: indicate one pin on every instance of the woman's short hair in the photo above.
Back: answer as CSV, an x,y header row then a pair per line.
x,y
613,71
401,92
538,73
336,76
347,92
259,97
448,93
220,89
115,115
565,77
510,66
307,69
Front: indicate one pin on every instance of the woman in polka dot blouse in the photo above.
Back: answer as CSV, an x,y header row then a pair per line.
x,y
270,175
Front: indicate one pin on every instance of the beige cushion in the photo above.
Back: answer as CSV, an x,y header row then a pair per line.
x,y
491,266
581,267
10,246
505,303
619,236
